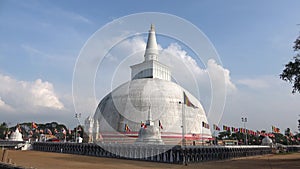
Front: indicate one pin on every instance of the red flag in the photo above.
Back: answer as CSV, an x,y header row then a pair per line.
x,y
143,125
49,131
216,127
63,130
33,125
205,125
160,125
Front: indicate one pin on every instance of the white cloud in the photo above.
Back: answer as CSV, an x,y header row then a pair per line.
x,y
28,96
55,11
43,95
220,75
4,106
217,73
254,83
210,84
134,45
69,15
32,51
174,50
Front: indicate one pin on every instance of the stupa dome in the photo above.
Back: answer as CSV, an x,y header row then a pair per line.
x,y
123,111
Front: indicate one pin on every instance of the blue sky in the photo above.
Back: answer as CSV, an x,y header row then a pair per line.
x,y
42,39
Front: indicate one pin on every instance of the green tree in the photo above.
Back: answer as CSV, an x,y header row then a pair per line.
x,y
3,130
224,135
287,132
291,73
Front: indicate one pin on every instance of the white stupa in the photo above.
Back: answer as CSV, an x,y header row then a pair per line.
x,y
16,136
88,126
149,134
266,141
150,86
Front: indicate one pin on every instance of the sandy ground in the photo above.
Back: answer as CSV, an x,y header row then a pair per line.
x,y
44,160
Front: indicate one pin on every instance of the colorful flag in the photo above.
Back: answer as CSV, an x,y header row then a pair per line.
x,y
63,130
242,130
205,125
226,128
33,125
275,129
127,129
49,131
143,125
233,129
187,101
216,127
160,125
258,132
271,135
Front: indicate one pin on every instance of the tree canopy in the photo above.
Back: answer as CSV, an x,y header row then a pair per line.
x,y
291,73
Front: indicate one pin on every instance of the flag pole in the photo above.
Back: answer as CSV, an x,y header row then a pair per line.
x,y
183,144
183,133
202,134
214,136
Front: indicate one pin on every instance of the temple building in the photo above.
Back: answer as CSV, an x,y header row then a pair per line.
x,y
174,111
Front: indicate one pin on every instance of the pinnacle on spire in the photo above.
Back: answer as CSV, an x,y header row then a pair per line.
x,y
149,121
149,114
152,28
151,48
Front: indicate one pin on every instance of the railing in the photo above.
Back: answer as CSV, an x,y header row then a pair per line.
x,y
11,144
293,148
157,153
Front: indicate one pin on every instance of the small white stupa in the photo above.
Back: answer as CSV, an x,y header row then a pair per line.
x,y
16,136
267,141
149,134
